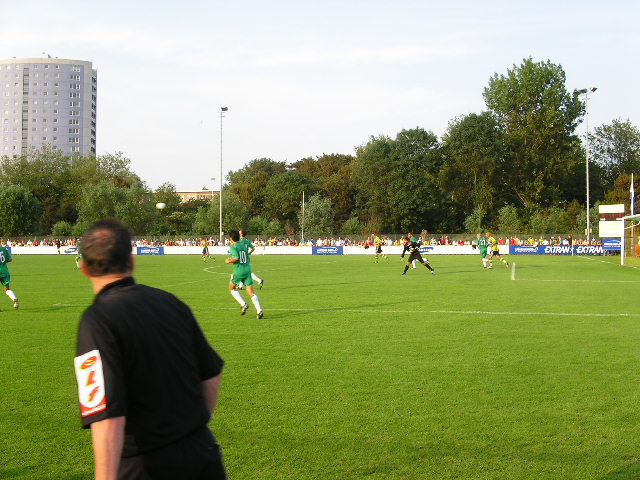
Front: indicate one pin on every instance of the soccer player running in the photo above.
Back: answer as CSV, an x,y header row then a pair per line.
x,y
251,248
495,251
205,250
5,276
241,273
378,244
406,242
414,254
482,243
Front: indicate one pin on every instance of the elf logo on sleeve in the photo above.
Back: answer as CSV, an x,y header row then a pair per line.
x,y
90,383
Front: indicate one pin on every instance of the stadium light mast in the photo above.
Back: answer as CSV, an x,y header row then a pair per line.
x,y
585,92
222,110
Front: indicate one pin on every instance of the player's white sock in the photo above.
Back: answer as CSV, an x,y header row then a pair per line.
x,y
256,302
414,264
485,262
256,277
11,295
238,297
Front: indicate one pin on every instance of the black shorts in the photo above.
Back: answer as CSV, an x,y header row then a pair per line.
x,y
196,457
205,251
495,253
379,249
415,256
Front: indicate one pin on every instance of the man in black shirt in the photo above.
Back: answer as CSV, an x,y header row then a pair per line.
x,y
147,378
414,254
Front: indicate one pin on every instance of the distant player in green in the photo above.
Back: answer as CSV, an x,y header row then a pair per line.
x,y
5,276
78,254
495,251
482,243
241,273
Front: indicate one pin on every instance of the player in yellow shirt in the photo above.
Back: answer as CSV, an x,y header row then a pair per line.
x,y
495,251
378,244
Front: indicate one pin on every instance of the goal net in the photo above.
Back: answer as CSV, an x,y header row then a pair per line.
x,y
630,241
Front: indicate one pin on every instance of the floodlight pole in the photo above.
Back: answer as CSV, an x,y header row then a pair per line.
x,y
222,110
585,92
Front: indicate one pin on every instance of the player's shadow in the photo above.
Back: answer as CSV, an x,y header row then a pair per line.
x,y
628,472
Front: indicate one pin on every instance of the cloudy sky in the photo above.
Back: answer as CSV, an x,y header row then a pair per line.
x,y
305,78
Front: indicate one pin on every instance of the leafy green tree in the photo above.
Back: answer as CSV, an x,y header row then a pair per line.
x,y
508,220
555,220
396,181
332,178
352,226
131,205
258,225
250,182
318,217
474,222
619,192
539,118
283,196
20,211
274,229
62,229
616,148
474,161
207,219
235,216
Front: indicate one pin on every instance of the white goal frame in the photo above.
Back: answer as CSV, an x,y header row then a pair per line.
x,y
623,227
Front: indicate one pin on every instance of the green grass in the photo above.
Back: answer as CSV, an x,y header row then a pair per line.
x,y
357,372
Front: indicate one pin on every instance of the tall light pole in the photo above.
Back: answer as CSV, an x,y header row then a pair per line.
x,y
586,92
222,110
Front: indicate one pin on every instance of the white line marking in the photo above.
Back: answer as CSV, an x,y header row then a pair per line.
x,y
513,271
458,312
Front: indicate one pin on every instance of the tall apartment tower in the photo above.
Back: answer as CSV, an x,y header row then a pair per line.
x,y
47,101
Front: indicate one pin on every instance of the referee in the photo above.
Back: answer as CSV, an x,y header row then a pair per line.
x,y
147,378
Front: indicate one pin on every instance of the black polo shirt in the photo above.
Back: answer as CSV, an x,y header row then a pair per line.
x,y
142,355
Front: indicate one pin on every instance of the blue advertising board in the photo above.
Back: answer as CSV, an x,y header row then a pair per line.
x,y
611,244
326,250
70,250
555,250
425,249
150,250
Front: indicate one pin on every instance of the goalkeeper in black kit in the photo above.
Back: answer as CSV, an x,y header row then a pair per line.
x,y
414,254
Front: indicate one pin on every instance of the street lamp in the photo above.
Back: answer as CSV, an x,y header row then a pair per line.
x,y
585,92
222,110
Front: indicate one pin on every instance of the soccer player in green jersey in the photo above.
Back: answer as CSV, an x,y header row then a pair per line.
x,y
241,273
495,251
251,248
78,254
5,276
482,243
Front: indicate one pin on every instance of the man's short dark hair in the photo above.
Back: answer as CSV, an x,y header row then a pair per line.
x,y
235,235
106,248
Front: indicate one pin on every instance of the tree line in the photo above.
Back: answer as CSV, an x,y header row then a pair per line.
x,y
519,166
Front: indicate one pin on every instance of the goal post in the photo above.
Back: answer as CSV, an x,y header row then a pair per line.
x,y
629,240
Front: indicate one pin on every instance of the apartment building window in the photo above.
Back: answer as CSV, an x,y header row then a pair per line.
x,y
74,122
75,149
74,113
74,140
74,130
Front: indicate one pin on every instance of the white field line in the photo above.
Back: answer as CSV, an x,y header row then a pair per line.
x,y
446,312
457,312
513,271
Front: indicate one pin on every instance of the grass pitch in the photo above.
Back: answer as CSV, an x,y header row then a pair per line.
x,y
357,372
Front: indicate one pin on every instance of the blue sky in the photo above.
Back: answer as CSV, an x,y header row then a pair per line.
x,y
306,78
